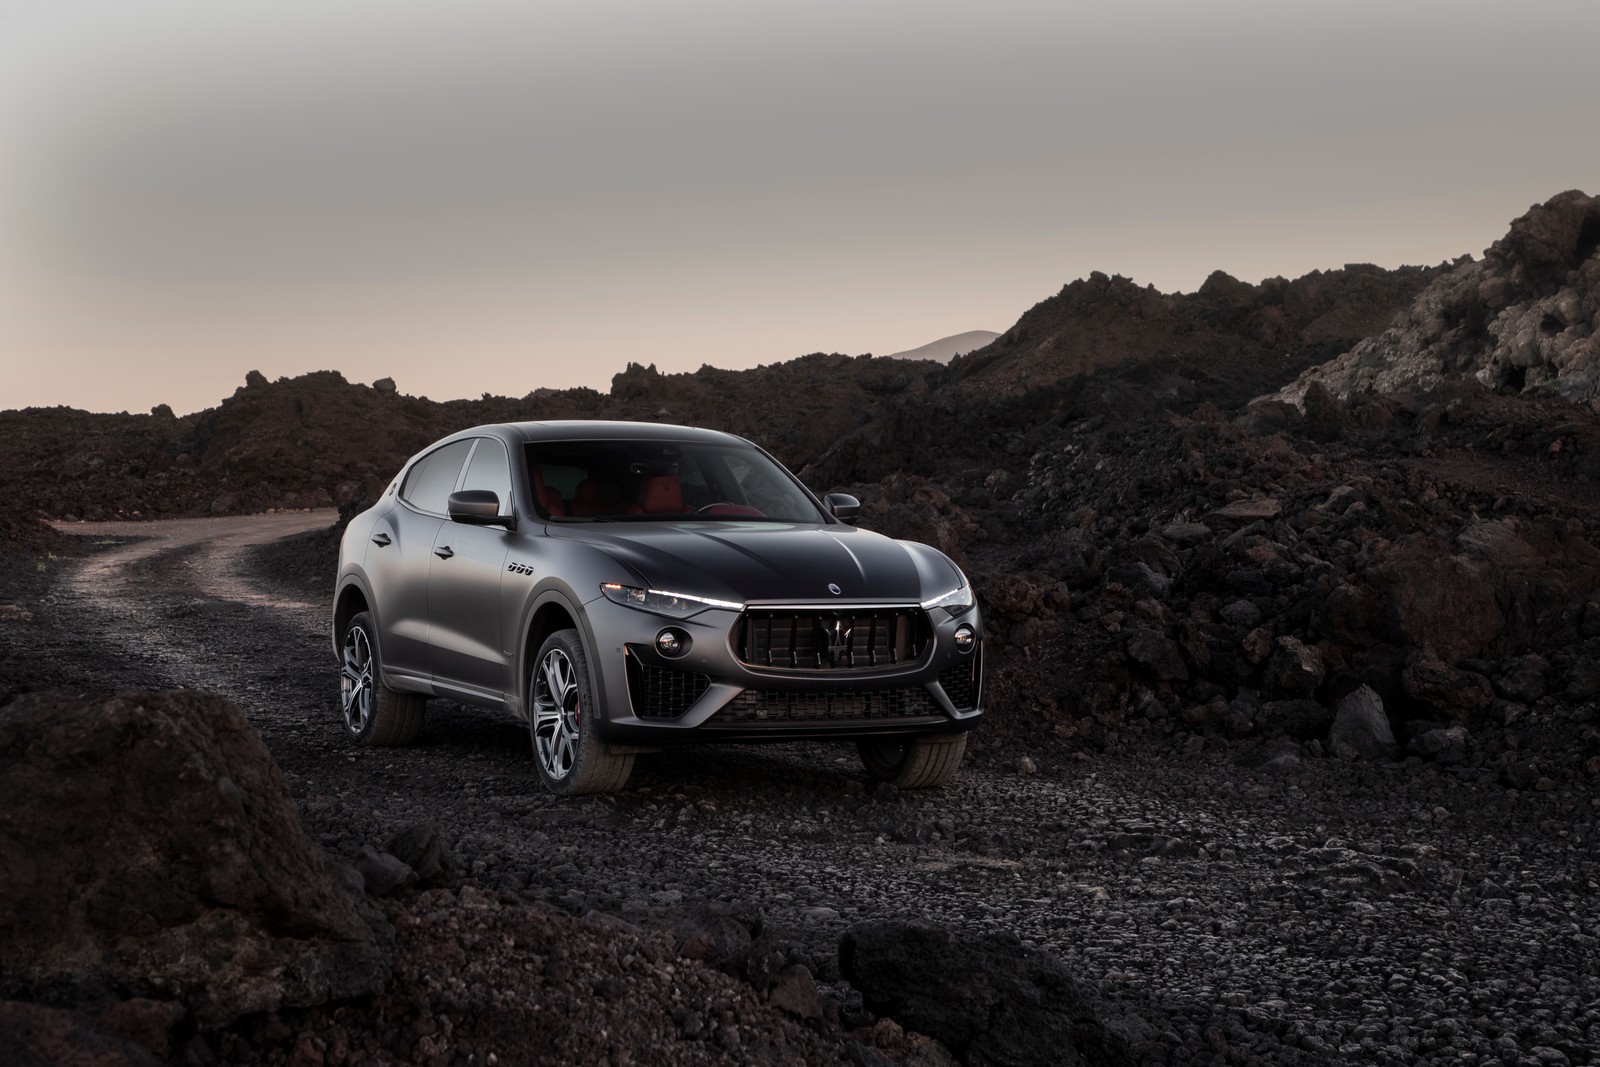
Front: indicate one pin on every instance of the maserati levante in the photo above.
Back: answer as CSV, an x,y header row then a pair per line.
x,y
622,587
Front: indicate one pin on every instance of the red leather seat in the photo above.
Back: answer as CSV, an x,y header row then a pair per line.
x,y
662,494
548,496
595,497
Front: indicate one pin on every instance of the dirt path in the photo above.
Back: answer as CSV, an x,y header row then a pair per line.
x,y
1299,909
220,569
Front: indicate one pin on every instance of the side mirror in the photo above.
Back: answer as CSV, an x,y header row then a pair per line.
x,y
478,507
845,508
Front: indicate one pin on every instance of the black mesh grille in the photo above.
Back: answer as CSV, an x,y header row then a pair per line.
x,y
831,640
763,705
661,692
961,683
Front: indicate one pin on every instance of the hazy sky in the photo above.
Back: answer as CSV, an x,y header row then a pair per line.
x,y
484,197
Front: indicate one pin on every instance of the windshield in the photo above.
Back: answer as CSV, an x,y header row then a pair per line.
x,y
613,481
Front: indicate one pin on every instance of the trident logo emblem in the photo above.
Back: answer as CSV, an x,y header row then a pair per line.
x,y
837,637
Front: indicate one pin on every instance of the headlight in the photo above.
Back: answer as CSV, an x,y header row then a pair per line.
x,y
678,605
957,601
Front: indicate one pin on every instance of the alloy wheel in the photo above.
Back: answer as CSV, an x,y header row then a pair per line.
x,y
355,680
556,714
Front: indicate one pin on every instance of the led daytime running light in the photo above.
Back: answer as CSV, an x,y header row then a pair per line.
x,y
663,601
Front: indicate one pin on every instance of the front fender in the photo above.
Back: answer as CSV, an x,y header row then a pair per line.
x,y
553,591
353,578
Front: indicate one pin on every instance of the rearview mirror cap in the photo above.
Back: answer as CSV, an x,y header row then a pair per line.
x,y
845,508
478,507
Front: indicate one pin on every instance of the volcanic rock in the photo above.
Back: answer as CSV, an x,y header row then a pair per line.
x,y
718,931
1458,693
1360,729
1296,668
382,874
33,1035
1523,679
1442,745
418,846
1160,654
151,848
1527,316
1302,720
989,1000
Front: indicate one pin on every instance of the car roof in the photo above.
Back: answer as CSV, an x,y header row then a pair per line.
x,y
603,430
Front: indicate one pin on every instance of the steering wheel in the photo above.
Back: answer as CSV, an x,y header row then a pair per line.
x,y
717,504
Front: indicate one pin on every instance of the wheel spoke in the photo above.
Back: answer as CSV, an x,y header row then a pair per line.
x,y
556,726
564,750
557,678
355,682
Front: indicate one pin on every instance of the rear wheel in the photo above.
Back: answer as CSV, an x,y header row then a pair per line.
x,y
913,762
568,751
374,714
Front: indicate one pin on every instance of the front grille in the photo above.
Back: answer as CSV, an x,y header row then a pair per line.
x,y
663,693
831,640
768,705
963,682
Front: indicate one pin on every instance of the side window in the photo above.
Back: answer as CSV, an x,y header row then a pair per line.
x,y
490,469
433,477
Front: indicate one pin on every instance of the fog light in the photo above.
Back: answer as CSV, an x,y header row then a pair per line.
x,y
672,642
966,640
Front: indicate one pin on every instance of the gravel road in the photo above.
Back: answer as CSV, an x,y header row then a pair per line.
x,y
1249,903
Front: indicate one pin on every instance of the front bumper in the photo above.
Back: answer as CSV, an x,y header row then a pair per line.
x,y
712,691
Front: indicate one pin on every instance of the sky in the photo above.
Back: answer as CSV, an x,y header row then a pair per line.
x,y
482,197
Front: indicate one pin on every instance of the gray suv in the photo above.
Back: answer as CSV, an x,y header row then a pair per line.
x,y
622,587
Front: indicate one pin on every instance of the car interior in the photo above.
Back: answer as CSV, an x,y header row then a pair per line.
x,y
613,480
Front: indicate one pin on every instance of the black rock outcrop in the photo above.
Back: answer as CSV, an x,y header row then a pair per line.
x,y
149,848
990,1001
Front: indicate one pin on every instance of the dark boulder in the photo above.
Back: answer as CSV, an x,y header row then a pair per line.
x,y
418,847
1446,744
718,932
1460,694
1361,729
990,1000
149,848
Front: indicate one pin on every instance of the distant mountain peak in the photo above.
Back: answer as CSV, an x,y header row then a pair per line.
x,y
947,348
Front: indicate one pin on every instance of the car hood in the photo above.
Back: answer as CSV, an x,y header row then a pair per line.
x,y
756,561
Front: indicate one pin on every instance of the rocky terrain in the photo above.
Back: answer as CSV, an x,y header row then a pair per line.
x,y
1524,318
1293,606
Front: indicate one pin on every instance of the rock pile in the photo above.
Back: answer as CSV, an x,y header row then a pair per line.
x,y
152,851
989,1001
1525,317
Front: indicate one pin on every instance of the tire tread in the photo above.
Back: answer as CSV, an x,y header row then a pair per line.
x,y
597,768
931,762
397,718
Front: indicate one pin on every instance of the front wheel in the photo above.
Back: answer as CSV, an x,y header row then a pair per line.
x,y
568,751
913,762
374,714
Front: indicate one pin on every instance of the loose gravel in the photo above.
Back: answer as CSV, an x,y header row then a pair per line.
x,y
1241,903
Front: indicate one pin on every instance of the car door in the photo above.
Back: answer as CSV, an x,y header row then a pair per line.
x,y
402,549
464,578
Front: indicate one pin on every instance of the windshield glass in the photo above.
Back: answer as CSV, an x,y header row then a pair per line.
x,y
593,481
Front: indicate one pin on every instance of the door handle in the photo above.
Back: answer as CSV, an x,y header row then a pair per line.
x,y
443,552
381,539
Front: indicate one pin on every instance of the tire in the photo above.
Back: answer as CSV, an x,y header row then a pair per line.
x,y
913,762
568,752
373,713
